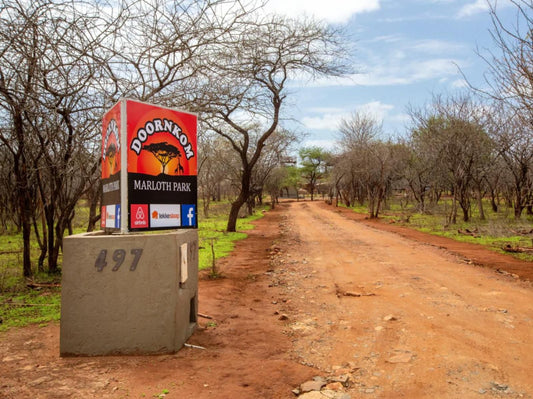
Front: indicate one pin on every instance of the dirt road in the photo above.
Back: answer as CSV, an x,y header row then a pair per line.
x,y
311,293
413,320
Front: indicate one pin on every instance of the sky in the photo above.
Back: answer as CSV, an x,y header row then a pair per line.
x,y
406,51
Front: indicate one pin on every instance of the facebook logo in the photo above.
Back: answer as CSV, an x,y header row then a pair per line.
x,y
188,215
117,217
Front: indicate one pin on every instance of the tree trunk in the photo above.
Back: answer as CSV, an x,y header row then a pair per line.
x,y
26,258
94,200
234,213
518,207
453,217
53,256
517,212
480,204
23,187
250,203
207,200
49,212
91,225
244,195
493,203
42,242
25,209
272,201
466,216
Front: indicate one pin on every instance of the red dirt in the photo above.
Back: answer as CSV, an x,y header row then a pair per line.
x,y
311,292
472,253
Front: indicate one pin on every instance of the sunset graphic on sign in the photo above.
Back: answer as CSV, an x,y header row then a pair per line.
x,y
112,156
156,150
164,153
110,143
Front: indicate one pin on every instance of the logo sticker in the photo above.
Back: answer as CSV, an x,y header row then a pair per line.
x,y
110,216
139,216
188,215
165,215
103,217
117,216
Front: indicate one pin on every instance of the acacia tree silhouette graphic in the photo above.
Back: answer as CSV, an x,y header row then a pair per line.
x,y
163,152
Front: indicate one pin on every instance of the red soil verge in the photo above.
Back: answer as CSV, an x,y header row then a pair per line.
x,y
472,253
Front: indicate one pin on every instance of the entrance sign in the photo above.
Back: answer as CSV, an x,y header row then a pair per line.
x,y
149,168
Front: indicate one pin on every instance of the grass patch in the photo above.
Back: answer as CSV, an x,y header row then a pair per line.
x,y
31,307
212,231
20,305
495,232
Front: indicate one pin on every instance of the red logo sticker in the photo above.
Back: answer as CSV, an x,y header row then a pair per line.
x,y
103,216
139,216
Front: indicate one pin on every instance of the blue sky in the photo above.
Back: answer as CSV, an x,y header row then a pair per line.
x,y
405,51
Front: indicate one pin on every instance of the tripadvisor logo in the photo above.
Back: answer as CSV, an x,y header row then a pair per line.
x,y
161,126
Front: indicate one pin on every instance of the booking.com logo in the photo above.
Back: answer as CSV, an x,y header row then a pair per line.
x,y
188,215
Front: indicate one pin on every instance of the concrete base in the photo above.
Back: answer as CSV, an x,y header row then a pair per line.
x,y
128,294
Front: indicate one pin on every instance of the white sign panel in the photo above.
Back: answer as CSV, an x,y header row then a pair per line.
x,y
165,215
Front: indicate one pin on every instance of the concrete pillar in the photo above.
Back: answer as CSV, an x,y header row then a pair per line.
x,y
128,294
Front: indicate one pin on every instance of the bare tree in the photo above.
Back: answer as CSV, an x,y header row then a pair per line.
x,y
510,68
217,168
50,53
248,86
359,130
17,64
164,49
514,143
509,81
419,174
269,169
450,137
274,184
368,161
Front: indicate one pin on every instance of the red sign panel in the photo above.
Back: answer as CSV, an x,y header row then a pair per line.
x,y
111,156
161,141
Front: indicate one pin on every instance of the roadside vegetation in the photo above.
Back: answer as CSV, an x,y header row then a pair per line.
x,y
38,300
463,167
215,241
499,231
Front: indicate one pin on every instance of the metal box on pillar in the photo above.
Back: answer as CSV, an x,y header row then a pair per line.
x,y
125,291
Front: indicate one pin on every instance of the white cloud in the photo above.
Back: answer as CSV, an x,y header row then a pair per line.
x,y
473,8
334,11
428,46
481,6
326,121
376,109
387,39
395,73
397,61
434,68
329,118
459,84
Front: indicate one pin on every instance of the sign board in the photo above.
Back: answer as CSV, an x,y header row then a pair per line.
x,y
149,168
